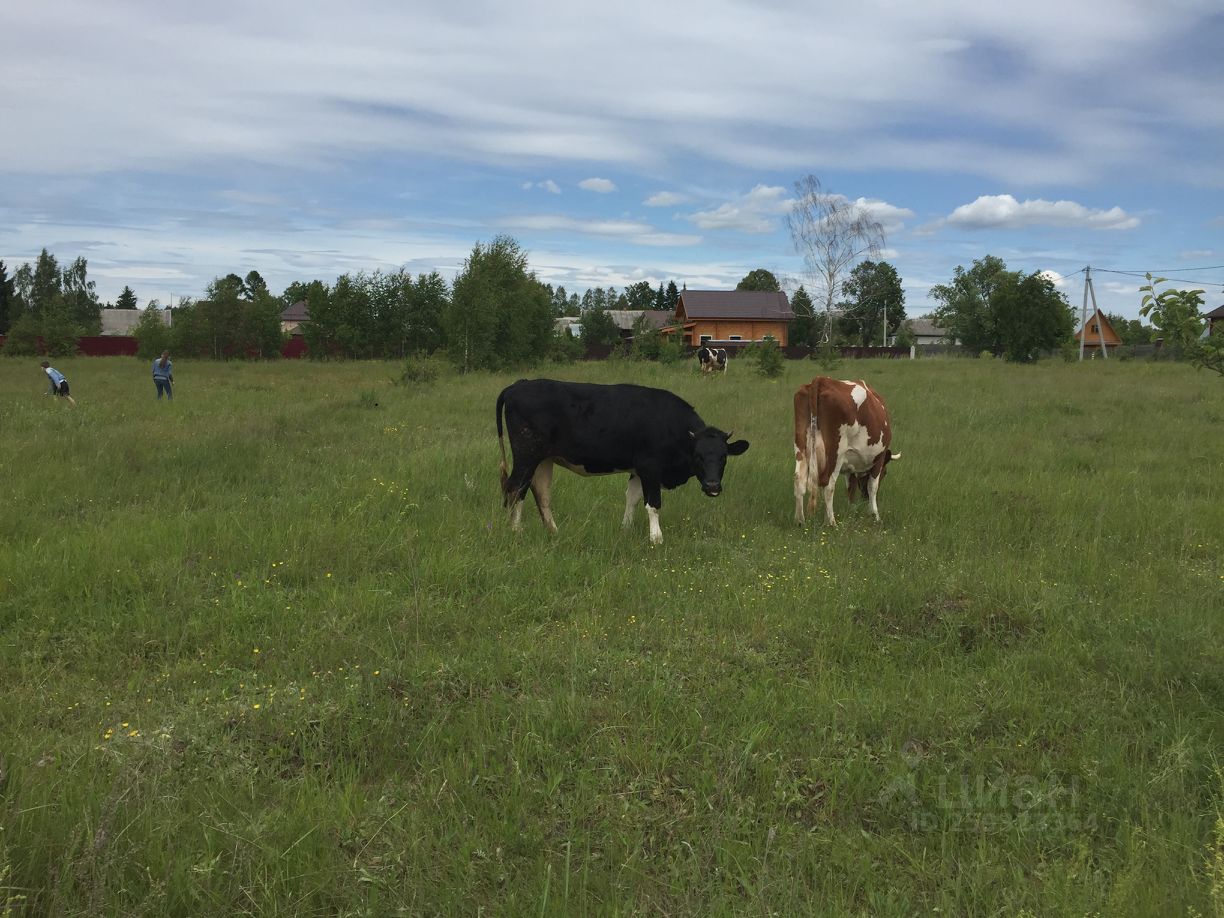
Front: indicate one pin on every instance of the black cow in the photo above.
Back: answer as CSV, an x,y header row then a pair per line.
x,y
711,358
597,430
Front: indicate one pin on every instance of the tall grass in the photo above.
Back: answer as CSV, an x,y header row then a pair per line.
x,y
272,649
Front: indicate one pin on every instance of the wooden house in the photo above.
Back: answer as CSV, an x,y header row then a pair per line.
x,y
293,316
626,318
722,317
1099,332
1215,321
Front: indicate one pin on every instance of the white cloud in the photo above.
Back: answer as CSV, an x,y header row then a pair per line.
x,y
598,185
1002,211
625,230
755,212
891,217
665,199
547,185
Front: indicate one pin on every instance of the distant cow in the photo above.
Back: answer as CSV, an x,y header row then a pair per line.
x,y
711,358
840,425
597,430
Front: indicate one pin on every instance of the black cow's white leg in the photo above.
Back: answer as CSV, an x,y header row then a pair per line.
x,y
652,491
656,532
541,489
516,492
633,496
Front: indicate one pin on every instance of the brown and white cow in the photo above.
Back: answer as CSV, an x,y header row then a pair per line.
x,y
840,425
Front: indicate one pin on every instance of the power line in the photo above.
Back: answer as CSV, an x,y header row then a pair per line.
x,y
1180,280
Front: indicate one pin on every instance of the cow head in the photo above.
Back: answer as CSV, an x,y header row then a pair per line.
x,y
710,452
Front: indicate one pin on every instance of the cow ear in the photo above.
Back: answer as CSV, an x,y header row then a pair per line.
x,y
738,448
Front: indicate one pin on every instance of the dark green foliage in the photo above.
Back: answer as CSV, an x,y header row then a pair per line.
x,y
59,332
965,304
646,340
827,355
7,300
1208,353
499,314
672,349
22,340
598,327
419,372
65,296
1031,316
1175,313
803,330
1006,313
872,289
768,357
233,321
672,298
565,347
639,296
1131,331
151,333
126,299
759,279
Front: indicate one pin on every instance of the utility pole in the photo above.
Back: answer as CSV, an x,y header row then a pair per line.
x,y
1089,290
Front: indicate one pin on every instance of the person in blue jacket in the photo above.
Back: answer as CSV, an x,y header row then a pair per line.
x,y
163,374
59,383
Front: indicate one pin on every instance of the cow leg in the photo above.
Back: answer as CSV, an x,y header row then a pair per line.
x,y
873,485
801,482
541,490
519,480
633,496
828,484
653,492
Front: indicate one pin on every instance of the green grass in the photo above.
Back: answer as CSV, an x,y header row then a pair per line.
x,y
271,649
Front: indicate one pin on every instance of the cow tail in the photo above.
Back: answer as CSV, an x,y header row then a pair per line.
x,y
505,472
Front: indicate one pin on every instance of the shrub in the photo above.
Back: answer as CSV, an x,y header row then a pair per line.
x,y
565,348
22,338
827,355
986,354
768,358
672,349
418,372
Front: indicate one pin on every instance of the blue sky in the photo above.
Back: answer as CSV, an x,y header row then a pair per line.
x,y
172,143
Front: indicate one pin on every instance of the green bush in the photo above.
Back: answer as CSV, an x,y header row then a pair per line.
x,y
565,348
22,338
769,358
827,355
672,349
418,372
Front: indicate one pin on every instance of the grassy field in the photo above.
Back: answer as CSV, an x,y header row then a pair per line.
x,y
271,649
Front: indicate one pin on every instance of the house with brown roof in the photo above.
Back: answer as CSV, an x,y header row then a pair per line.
x,y
293,316
732,316
1215,321
1099,332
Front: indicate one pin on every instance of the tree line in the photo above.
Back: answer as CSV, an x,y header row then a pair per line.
x,y
497,313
